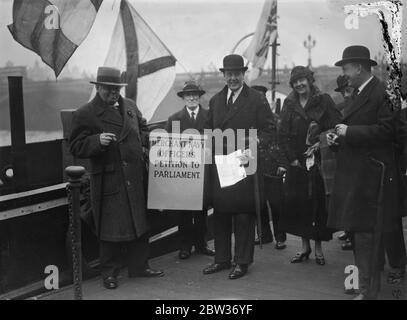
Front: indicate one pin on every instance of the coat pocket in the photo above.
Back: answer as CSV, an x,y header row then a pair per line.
x,y
108,177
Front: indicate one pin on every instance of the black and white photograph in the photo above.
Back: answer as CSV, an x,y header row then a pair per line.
x,y
203,155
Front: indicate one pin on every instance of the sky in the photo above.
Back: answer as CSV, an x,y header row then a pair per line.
x,y
200,33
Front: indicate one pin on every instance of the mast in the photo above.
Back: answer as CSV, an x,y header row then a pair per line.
x,y
274,82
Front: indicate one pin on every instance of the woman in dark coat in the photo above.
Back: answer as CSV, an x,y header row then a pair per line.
x,y
305,115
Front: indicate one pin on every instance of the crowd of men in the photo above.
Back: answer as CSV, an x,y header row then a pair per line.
x,y
342,166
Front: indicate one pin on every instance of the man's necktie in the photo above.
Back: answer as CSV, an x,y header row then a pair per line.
x,y
230,101
193,116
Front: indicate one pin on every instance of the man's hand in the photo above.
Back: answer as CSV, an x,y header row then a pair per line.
x,y
281,171
332,139
245,157
107,138
340,129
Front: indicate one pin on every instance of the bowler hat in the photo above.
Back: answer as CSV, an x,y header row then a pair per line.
x,y
190,87
299,72
109,77
233,62
342,82
262,89
355,54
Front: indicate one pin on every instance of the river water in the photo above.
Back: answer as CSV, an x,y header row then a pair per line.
x,y
31,136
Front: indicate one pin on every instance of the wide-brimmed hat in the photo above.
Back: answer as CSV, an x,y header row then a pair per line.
x,y
109,77
260,88
233,62
190,87
356,54
342,82
299,72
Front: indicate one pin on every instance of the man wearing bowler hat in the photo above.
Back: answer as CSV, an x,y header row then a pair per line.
x,y
110,132
233,112
192,224
272,164
345,90
365,197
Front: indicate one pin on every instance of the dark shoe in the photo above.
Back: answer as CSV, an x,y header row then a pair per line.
x,y
351,291
264,240
184,254
238,271
216,267
147,273
395,277
300,256
205,251
110,282
320,259
280,245
348,245
343,236
361,296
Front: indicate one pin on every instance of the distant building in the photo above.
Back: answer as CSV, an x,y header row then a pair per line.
x,y
12,71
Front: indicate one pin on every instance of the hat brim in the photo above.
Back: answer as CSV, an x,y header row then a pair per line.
x,y
233,69
112,84
342,62
182,93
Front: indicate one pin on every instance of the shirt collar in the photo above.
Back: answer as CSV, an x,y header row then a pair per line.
x,y
195,111
236,93
364,84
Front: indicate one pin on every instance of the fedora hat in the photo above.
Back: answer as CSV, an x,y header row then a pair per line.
x,y
190,87
355,54
109,77
342,82
233,62
260,88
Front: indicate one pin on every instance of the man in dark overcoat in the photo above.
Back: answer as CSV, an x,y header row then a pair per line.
x,y
192,224
273,165
110,130
234,111
365,151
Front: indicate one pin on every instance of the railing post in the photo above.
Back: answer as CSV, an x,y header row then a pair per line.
x,y
75,174
17,128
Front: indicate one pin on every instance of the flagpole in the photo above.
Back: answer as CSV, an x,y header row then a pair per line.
x,y
274,46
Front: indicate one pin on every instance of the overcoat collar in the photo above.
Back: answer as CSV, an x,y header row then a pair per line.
x,y
313,110
100,108
361,99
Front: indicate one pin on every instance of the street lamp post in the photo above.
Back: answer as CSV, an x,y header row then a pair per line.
x,y
309,44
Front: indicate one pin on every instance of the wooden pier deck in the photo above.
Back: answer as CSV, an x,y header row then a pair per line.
x,y
271,277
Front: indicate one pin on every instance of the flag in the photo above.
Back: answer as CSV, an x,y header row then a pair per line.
x,y
149,65
53,29
266,33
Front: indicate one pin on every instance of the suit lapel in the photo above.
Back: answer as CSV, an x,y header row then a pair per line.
x,y
360,100
220,110
128,116
199,121
238,105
